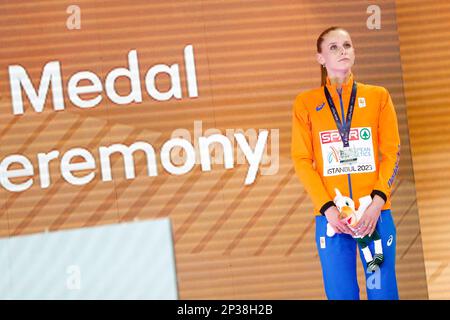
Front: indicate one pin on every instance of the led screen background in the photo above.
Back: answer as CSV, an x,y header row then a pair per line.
x,y
252,58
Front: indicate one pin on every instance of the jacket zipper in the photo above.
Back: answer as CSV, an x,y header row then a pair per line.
x,y
343,122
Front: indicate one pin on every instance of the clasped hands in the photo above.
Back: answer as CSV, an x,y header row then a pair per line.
x,y
365,226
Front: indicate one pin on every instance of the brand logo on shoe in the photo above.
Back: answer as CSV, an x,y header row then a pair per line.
x,y
389,242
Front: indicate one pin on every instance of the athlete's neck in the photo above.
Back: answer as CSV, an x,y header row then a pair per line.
x,y
338,78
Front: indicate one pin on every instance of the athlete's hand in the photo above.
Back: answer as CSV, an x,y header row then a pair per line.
x,y
332,214
368,222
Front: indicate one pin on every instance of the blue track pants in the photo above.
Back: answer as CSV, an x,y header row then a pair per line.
x,y
338,259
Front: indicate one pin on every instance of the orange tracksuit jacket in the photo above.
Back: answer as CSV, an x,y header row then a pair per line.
x,y
315,157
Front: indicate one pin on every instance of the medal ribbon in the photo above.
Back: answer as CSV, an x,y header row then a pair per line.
x,y
344,129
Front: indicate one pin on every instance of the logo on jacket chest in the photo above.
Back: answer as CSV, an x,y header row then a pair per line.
x,y
362,102
320,106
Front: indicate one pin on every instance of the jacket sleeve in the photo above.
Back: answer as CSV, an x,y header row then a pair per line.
x,y
303,156
389,147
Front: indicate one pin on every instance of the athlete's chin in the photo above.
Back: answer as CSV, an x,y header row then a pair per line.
x,y
343,68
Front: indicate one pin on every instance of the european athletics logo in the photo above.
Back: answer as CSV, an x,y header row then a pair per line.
x,y
333,154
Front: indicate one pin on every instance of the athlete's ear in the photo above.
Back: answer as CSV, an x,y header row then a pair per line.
x,y
320,58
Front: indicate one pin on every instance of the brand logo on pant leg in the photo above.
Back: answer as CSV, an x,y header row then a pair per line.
x,y
322,243
389,242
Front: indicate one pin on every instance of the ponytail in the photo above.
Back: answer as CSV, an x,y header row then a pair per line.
x,y
323,75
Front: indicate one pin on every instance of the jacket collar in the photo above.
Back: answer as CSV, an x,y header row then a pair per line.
x,y
346,87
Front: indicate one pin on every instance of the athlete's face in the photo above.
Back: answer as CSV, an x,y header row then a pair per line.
x,y
337,53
